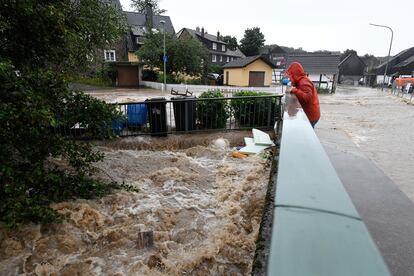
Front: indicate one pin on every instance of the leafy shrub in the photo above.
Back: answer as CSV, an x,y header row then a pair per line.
x,y
34,106
322,90
170,78
196,81
212,114
35,103
213,68
94,81
149,75
107,72
254,112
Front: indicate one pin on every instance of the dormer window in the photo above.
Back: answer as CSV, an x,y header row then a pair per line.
x,y
139,40
228,59
223,47
214,46
214,58
221,58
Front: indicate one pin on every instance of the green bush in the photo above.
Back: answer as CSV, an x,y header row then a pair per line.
x,y
38,166
212,114
323,90
94,81
196,81
257,112
213,68
34,107
171,79
107,72
149,75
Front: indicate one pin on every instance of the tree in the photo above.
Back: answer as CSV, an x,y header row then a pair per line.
x,y
36,103
292,50
231,41
346,53
252,41
185,55
371,62
141,6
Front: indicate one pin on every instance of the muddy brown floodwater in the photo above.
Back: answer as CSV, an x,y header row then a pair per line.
x,y
380,124
201,206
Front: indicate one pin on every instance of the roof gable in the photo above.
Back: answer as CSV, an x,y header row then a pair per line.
x,y
316,63
136,19
207,36
243,62
398,58
236,53
348,57
272,49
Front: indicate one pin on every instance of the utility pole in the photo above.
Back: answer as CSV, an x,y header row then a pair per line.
x,y
164,58
389,51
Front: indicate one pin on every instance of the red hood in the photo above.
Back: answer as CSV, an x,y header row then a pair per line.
x,y
295,72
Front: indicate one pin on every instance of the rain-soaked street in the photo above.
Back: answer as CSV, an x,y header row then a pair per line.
x,y
367,135
379,124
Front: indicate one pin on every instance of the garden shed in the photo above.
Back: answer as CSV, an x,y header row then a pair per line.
x,y
255,71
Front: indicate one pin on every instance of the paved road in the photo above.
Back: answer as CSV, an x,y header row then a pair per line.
x,y
387,211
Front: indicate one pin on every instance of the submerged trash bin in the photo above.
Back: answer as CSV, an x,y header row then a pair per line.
x,y
118,126
157,115
184,113
137,115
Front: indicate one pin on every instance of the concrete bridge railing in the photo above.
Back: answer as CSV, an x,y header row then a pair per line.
x,y
316,228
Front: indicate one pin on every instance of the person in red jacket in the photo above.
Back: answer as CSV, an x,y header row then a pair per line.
x,y
305,91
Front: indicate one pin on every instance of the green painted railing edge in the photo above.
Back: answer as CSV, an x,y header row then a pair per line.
x,y
308,211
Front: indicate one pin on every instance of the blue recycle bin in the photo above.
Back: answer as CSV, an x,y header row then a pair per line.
x,y
137,115
285,81
118,126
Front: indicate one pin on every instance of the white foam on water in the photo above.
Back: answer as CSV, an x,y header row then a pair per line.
x,y
203,207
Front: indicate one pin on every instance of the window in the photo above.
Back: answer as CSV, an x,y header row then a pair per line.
x,y
214,46
228,59
221,58
213,58
109,55
223,47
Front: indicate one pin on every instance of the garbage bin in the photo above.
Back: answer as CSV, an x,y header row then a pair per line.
x,y
137,115
157,115
184,113
118,126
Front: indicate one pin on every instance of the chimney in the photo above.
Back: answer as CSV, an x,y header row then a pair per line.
x,y
202,31
198,29
218,36
149,17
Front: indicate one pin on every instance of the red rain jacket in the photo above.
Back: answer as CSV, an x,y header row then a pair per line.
x,y
305,91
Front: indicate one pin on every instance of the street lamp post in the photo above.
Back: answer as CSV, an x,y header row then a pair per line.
x,y
164,58
389,51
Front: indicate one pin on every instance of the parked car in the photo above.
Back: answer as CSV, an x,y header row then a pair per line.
x,y
213,76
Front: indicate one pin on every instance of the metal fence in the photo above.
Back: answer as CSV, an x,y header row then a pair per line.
x,y
160,117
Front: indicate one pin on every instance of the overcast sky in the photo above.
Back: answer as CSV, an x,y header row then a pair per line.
x,y
311,24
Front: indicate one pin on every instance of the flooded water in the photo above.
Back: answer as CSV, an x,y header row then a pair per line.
x,y
380,124
125,95
197,213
